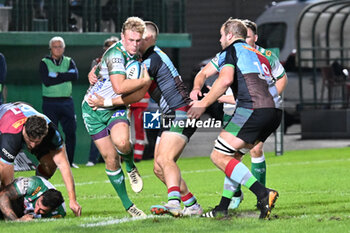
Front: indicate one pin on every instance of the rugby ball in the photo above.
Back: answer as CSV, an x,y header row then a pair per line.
x,y
134,70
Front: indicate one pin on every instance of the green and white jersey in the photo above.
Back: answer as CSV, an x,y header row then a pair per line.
x,y
113,61
276,67
31,188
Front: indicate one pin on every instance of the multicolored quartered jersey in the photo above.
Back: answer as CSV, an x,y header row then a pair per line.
x,y
113,61
167,87
277,70
12,119
31,188
253,85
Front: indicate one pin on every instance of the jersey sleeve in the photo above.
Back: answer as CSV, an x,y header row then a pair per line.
x,y
215,61
10,146
25,186
277,70
114,61
227,58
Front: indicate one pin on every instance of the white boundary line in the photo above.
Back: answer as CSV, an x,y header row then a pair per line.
x,y
217,170
119,221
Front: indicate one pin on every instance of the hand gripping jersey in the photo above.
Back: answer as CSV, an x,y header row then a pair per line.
x,y
113,61
31,188
12,119
253,86
167,87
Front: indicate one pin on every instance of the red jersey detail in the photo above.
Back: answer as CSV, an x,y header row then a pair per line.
x,y
12,121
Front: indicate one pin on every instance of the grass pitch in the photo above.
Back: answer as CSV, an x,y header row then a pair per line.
x,y
313,185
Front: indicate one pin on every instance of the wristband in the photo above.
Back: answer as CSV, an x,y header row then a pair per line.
x,y
107,103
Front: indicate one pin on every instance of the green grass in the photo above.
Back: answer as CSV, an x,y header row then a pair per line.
x,y
314,192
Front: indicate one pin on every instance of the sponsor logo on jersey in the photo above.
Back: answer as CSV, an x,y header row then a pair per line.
x,y
117,60
36,191
19,123
268,53
7,154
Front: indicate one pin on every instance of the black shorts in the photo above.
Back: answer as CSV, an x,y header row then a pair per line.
x,y
253,125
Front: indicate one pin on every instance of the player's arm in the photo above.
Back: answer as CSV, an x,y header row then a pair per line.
x,y
218,89
92,76
207,71
281,84
123,86
60,159
133,97
227,98
6,195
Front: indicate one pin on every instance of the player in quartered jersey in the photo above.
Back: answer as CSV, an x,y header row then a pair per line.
x,y
29,198
168,90
257,114
22,126
258,165
108,125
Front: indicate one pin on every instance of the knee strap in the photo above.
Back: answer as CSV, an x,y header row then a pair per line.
x,y
223,147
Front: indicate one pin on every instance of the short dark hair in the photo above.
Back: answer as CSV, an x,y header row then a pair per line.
x,y
36,126
52,198
251,25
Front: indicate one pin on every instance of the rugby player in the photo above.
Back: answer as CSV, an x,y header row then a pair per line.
x,y
21,124
258,165
168,90
257,114
28,198
108,126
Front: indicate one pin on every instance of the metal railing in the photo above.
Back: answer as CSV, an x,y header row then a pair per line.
x,y
94,15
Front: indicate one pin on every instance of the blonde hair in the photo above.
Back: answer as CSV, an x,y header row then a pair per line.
x,y
134,24
236,27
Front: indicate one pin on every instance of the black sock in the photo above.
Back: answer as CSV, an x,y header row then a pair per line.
x,y
224,203
259,190
238,193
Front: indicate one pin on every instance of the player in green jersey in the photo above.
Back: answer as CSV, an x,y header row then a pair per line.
x,y
27,198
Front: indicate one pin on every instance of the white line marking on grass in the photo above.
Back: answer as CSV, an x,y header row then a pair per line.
x,y
217,170
121,220
149,176
308,162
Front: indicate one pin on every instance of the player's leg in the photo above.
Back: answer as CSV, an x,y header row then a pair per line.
x,y
258,163
47,166
115,173
189,200
222,157
120,136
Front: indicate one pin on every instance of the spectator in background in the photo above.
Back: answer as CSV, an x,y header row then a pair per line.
x,y
94,154
3,73
57,73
